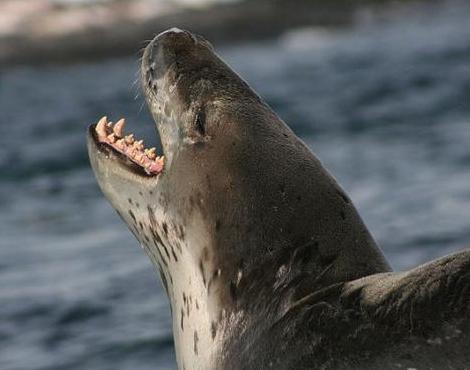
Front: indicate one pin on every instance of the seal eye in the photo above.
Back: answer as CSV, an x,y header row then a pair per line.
x,y
200,122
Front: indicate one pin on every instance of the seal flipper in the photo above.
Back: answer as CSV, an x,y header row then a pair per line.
x,y
415,319
420,317
418,299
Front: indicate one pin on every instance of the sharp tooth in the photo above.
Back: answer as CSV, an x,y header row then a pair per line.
x,y
139,145
120,143
101,127
129,139
150,153
119,127
112,138
139,157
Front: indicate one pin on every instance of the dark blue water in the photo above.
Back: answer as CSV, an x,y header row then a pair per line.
x,y
386,106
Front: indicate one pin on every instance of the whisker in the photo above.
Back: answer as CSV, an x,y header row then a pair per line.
x,y
141,107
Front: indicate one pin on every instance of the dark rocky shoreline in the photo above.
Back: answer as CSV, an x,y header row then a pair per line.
x,y
68,34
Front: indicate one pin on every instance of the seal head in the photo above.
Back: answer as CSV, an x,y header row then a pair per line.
x,y
243,221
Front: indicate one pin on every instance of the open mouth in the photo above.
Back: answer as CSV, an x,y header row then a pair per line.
x,y
112,136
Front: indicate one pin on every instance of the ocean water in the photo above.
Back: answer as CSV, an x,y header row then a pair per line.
x,y
385,104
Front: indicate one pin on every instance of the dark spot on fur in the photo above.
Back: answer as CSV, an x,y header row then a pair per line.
x,y
132,215
120,215
197,305
182,320
343,215
156,236
299,198
178,246
150,192
146,238
141,194
141,225
218,224
165,228
159,243
282,188
233,291
201,268
213,329
200,122
166,250
182,233
160,255
129,200
175,257
196,339
165,283
137,204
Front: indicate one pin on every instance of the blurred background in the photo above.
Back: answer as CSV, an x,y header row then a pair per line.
x,y
380,90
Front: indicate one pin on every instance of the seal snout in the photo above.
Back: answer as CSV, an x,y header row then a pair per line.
x,y
171,41
171,32
164,53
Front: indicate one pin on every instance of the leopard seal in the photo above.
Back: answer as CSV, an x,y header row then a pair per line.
x,y
265,260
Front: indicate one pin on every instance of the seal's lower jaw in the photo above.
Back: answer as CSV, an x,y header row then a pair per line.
x,y
122,151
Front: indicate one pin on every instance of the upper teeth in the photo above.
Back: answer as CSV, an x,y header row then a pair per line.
x,y
150,153
111,138
119,127
129,139
101,126
139,145
114,135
